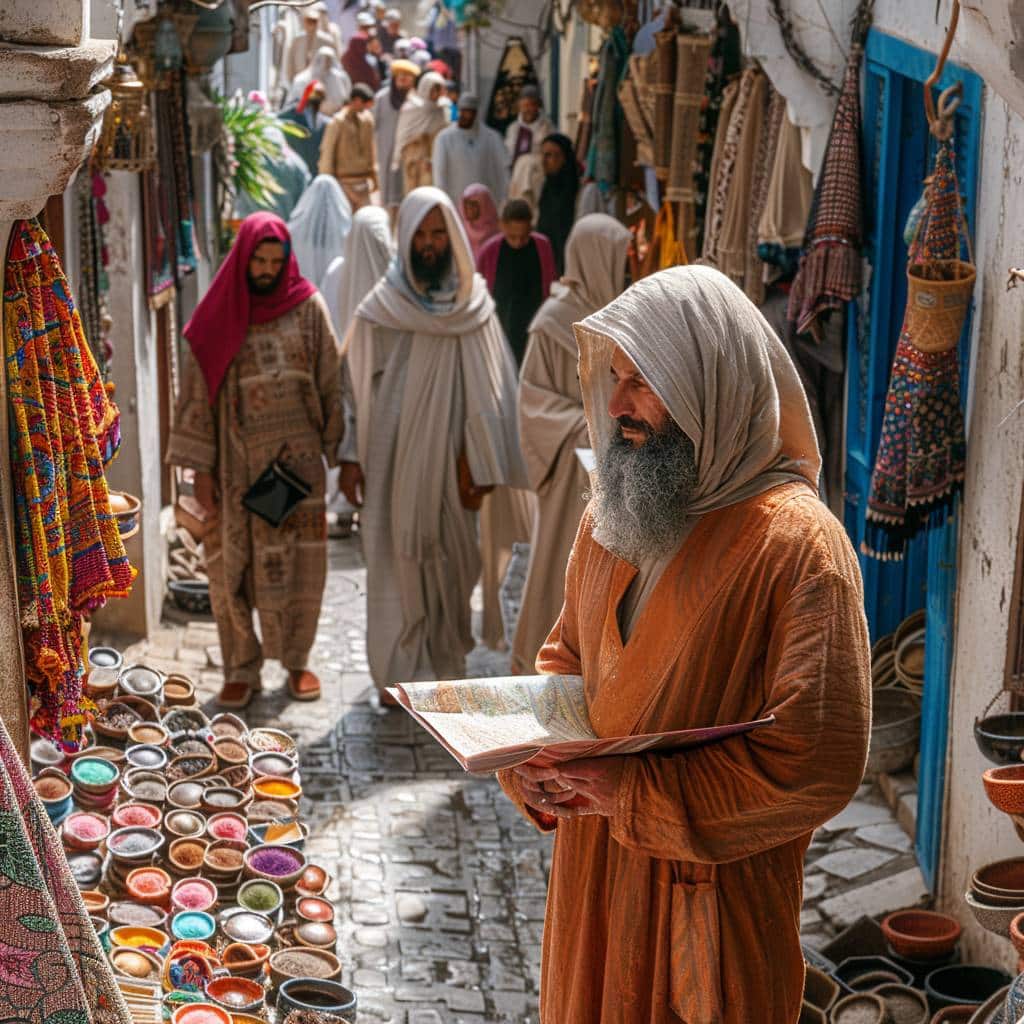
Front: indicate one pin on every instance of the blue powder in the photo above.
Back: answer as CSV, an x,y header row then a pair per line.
x,y
192,925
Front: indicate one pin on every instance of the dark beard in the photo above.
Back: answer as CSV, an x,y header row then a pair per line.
x,y
641,493
262,288
431,275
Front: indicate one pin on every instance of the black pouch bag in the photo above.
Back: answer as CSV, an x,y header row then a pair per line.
x,y
276,492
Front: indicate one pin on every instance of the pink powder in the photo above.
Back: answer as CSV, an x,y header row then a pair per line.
x,y
200,1015
133,815
87,828
148,883
192,895
228,828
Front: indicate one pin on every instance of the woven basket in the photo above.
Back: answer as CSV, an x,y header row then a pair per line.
x,y
938,297
663,82
692,53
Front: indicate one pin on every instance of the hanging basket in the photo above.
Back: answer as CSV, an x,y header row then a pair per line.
x,y
938,297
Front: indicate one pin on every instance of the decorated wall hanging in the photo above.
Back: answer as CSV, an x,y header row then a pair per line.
x,y
64,429
919,468
514,71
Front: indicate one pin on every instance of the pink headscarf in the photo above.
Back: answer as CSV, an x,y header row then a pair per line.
x,y
219,324
486,225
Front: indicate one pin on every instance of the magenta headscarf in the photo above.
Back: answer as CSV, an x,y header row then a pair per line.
x,y
486,225
219,324
355,63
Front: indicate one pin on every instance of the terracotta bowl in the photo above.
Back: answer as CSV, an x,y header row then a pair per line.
x,y
992,916
227,724
315,908
96,902
860,1008
276,787
224,859
272,764
52,786
134,845
1003,878
126,913
230,751
217,799
303,963
316,935
226,825
1004,787
245,959
179,691
82,765
185,719
247,895
148,732
184,824
286,880
191,767
313,882
239,776
236,994
184,895
143,711
149,885
74,833
136,813
904,1003
193,1013
192,920
955,1015
134,937
142,785
188,854
135,963
271,740
921,934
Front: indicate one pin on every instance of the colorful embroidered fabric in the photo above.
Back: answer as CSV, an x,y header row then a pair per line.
x,y
921,457
52,969
64,429
829,274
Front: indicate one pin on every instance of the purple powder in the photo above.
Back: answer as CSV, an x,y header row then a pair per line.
x,y
275,861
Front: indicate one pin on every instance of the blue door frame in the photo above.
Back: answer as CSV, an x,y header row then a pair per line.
x,y
898,151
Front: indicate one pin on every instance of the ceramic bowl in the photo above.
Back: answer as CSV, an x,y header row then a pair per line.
x,y
271,764
241,925
315,908
185,719
238,776
96,902
188,854
313,994
149,885
115,715
148,732
1000,738
226,724
226,825
191,767
860,1008
194,893
200,1013
1003,878
316,935
85,830
184,824
299,962
179,691
136,814
104,775
921,934
261,895
313,881
53,787
276,787
134,845
230,751
105,657
1004,787
222,798
905,1004
186,795
146,755
140,784
246,959
126,913
236,994
141,681
193,924
224,859
256,865
992,916
963,984
136,937
261,741
135,963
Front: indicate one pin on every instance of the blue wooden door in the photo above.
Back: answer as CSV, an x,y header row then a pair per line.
x,y
898,152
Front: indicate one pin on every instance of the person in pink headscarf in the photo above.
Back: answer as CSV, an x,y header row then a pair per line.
x,y
262,383
479,215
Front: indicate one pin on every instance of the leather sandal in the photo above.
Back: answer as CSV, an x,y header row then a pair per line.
x,y
236,694
303,685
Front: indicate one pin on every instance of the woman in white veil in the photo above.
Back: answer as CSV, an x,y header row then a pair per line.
x,y
319,226
326,69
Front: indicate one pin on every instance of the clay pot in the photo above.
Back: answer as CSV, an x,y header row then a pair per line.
x,y
286,879
303,963
1004,787
188,855
921,934
149,885
905,1004
179,691
237,995
136,814
245,959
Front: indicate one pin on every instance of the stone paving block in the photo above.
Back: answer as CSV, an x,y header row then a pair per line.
x,y
855,863
907,889
857,814
889,834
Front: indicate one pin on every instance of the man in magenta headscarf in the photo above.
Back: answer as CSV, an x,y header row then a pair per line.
x,y
262,382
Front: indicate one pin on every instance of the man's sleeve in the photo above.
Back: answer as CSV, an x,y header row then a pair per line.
x,y
325,165
193,439
328,382
750,793
439,162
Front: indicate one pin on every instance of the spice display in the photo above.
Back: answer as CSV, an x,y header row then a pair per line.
x,y
275,861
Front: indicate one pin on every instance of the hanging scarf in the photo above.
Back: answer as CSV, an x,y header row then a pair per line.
x,y
829,274
603,158
919,468
63,431
221,321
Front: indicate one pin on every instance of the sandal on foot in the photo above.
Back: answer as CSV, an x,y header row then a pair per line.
x,y
236,695
303,685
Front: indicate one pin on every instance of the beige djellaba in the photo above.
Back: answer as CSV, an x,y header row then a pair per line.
x,y
283,388
552,424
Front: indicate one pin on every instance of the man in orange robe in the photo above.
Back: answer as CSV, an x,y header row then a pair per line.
x,y
708,584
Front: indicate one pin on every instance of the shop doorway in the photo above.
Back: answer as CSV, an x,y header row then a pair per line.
x,y
898,152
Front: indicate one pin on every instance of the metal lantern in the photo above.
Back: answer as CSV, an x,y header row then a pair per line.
x,y
128,140
157,47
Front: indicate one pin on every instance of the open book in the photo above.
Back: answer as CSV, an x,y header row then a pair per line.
x,y
490,724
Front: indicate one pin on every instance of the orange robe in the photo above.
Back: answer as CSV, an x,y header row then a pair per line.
x,y
685,904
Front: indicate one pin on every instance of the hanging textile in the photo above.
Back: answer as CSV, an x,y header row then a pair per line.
x,y
633,96
514,71
64,429
603,158
585,121
919,468
662,71
52,967
723,65
89,189
829,274
692,55
666,248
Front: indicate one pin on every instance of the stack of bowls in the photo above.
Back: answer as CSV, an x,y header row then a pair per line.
x,y
55,790
128,849
95,782
85,831
996,895
223,864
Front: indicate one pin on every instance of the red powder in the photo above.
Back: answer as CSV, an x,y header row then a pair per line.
x,y
86,827
148,883
200,1015
134,815
228,828
192,896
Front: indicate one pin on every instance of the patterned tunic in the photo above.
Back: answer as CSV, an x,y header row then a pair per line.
x,y
283,387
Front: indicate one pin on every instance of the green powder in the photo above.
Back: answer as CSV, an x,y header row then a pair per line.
x,y
94,772
260,897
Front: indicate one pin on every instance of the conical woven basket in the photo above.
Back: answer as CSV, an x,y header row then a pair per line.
x,y
938,297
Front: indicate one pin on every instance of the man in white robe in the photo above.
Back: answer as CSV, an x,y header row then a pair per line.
x,y
467,153
433,385
387,106
525,134
301,49
552,423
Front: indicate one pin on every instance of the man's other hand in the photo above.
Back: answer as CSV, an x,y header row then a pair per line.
x,y
352,483
204,490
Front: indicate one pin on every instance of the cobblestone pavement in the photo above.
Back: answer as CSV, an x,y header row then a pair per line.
x,y
439,883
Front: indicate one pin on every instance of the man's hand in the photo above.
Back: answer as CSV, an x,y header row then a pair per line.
x,y
588,786
352,483
204,490
471,496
